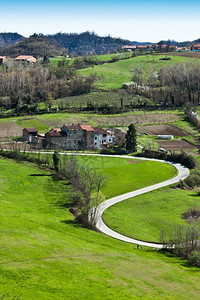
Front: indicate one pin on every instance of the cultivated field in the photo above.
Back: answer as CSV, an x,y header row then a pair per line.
x,y
12,126
142,118
163,130
46,255
176,145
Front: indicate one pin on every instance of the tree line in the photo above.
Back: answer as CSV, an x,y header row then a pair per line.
x,y
172,86
24,87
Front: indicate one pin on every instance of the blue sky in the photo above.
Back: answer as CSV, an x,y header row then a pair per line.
x,y
133,20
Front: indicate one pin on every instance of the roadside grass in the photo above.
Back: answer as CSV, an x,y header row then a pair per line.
x,y
120,173
126,175
144,216
111,76
46,255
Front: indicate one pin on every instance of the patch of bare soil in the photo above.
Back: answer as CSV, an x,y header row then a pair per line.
x,y
176,145
140,119
163,129
133,161
10,129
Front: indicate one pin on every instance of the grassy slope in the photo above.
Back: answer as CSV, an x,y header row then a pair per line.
x,y
113,75
46,255
143,217
124,176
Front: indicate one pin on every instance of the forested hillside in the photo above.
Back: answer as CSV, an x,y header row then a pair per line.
x,y
61,43
35,45
8,38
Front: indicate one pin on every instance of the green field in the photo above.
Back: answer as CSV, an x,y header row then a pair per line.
x,y
112,76
126,175
45,254
144,216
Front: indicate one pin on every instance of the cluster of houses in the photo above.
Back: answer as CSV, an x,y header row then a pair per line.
x,y
74,137
195,48
146,47
20,58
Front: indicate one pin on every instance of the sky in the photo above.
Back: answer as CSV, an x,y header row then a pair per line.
x,y
139,20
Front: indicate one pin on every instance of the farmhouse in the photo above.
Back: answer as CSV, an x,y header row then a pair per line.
x,y
3,60
29,134
26,58
196,47
79,137
128,48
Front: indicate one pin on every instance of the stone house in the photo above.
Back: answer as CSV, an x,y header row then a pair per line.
x,y
88,136
75,137
29,134
100,137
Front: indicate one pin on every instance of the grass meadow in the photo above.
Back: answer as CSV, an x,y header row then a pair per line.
x,y
45,254
112,76
144,216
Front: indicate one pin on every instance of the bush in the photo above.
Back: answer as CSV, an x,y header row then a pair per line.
x,y
194,258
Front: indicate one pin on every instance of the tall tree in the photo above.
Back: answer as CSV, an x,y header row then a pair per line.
x,y
131,138
56,160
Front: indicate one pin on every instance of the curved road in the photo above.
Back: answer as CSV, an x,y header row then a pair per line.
x,y
183,172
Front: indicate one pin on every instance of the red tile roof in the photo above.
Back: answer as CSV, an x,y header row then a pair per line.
x,y
56,129
87,127
26,57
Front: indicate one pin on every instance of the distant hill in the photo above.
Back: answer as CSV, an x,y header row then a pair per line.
x,y
35,45
14,44
8,38
87,43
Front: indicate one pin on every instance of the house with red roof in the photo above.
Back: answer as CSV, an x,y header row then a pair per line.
x,y
196,47
26,58
79,137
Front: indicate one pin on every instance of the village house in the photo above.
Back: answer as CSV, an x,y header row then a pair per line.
x,y
88,135
26,58
29,134
196,47
3,60
54,138
100,137
128,48
73,137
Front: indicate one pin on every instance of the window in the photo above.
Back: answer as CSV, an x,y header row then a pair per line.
x,y
74,141
95,143
109,140
95,137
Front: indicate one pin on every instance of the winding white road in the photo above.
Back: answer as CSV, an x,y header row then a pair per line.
x,y
183,172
